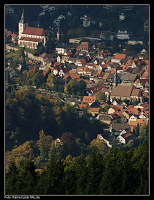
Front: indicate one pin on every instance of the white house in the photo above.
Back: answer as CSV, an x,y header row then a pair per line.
x,y
87,21
122,35
132,118
58,59
121,17
124,138
99,136
142,116
61,50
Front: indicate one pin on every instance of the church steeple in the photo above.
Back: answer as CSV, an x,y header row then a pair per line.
x,y
22,17
22,25
115,82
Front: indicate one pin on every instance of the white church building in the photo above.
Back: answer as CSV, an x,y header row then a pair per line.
x,y
29,37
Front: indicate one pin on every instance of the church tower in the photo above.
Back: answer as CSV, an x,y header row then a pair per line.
x,y
115,82
58,34
21,25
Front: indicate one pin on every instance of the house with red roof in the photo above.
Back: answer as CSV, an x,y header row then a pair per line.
x,y
89,99
83,46
29,37
118,57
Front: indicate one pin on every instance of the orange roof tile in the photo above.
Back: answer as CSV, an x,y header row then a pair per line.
x,y
89,99
94,109
119,56
81,106
105,76
145,75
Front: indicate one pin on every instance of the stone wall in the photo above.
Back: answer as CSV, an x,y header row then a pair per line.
x,y
11,48
29,55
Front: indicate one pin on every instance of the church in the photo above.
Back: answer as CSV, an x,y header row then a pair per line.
x,y
29,37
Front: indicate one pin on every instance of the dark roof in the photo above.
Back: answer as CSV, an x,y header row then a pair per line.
x,y
122,91
105,117
127,135
119,127
135,70
129,76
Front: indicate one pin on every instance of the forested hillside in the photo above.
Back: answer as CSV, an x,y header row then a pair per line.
x,y
118,172
71,24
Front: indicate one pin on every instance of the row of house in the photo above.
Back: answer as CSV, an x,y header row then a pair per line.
x,y
121,77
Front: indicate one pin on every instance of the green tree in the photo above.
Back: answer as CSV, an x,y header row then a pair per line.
x,y
69,179
140,164
27,178
11,179
137,130
51,180
81,88
106,108
94,172
7,77
40,48
100,96
24,65
42,145
80,166
50,46
71,87
21,53
50,80
117,177
143,130
100,145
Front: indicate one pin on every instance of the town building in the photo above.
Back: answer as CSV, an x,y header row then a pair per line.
x,y
122,35
29,37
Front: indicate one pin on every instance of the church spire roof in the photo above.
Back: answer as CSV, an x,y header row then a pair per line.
x,y
115,79
22,17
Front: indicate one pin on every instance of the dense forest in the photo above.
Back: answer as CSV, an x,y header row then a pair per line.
x,y
82,165
118,172
27,113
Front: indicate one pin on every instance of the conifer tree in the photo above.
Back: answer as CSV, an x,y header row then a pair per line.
x,y
27,178
42,145
51,181
11,179
81,174
94,172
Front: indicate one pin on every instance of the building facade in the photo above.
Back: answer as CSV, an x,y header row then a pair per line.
x,y
29,37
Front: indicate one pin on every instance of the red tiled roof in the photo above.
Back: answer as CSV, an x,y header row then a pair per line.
x,y
74,76
94,109
126,135
89,99
72,71
82,106
119,56
57,63
34,31
82,60
30,39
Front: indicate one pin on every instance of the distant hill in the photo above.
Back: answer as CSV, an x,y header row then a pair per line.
x,y
106,15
